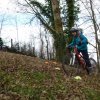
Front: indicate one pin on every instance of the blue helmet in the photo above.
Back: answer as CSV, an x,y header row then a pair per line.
x,y
74,29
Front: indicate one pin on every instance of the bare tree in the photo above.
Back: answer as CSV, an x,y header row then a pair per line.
x,y
32,41
2,23
47,44
42,44
16,23
95,28
89,7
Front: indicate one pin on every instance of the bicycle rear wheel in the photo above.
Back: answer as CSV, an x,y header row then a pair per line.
x,y
94,66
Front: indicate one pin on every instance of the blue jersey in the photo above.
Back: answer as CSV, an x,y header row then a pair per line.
x,y
79,38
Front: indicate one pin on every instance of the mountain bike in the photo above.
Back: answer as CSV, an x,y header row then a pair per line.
x,y
75,59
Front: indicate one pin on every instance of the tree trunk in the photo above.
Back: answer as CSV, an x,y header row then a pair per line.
x,y
59,46
47,44
42,45
58,36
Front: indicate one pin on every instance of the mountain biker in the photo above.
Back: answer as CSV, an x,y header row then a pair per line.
x,y
81,42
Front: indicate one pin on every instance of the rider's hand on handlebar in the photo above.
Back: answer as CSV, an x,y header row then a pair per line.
x,y
67,46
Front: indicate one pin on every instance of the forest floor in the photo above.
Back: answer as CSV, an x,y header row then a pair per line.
x,y
31,78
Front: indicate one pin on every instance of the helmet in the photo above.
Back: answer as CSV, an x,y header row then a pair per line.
x,y
80,30
74,29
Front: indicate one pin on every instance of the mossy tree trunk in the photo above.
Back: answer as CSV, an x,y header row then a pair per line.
x,y
58,35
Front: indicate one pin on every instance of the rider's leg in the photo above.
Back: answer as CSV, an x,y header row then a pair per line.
x,y
86,58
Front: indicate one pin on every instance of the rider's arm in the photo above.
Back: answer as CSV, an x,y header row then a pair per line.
x,y
72,43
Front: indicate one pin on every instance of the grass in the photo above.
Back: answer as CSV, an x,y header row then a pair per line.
x,y
92,94
35,85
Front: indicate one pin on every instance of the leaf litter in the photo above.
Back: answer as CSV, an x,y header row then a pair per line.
x,y
31,78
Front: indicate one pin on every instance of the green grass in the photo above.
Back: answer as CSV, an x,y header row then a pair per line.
x,y
40,76
32,84
92,94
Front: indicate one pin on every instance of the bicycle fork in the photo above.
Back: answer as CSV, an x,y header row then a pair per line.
x,y
72,59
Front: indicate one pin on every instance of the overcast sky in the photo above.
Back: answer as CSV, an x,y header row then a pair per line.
x,y
8,10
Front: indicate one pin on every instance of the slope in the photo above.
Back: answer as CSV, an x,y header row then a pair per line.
x,y
30,78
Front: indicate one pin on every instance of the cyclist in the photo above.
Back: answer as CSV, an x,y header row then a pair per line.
x,y
81,42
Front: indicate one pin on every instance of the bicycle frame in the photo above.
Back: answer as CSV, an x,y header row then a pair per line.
x,y
76,54
76,60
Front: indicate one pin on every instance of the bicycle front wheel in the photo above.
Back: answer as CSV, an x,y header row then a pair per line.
x,y
70,66
65,63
